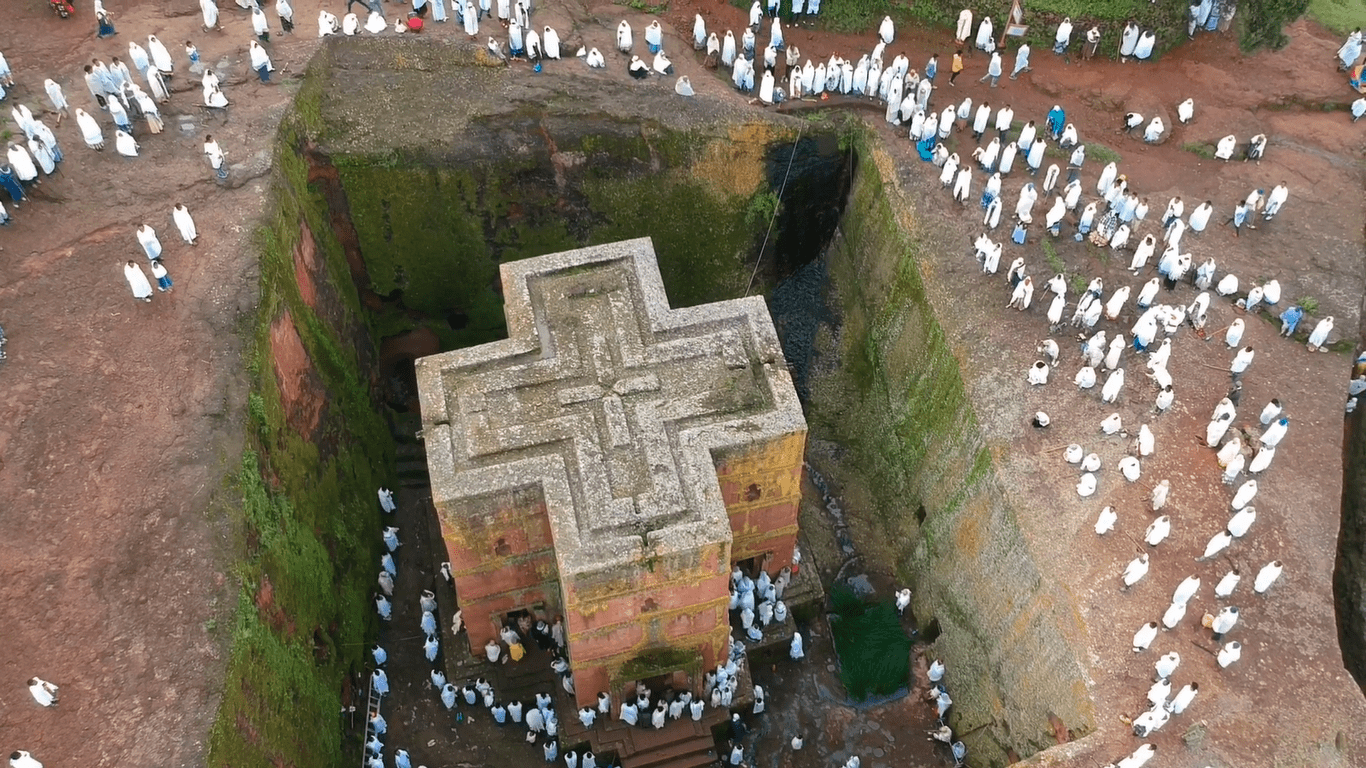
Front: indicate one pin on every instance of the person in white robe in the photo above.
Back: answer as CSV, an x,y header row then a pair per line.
x,y
43,154
184,223
766,88
156,85
137,281
119,114
161,57
260,26
1035,157
213,97
24,119
1199,218
286,13
138,55
374,24
1063,36
1128,41
1274,201
964,27
55,95
119,72
209,8
985,41
1144,48
147,238
44,134
260,61
217,158
90,130
148,108
22,163
351,24
1350,51
439,9
125,144
327,24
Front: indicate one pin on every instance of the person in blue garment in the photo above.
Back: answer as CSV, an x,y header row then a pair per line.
x,y
1056,120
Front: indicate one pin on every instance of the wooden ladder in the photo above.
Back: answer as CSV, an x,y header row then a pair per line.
x,y
371,709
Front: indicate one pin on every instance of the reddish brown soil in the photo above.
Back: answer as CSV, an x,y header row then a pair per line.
x,y
118,419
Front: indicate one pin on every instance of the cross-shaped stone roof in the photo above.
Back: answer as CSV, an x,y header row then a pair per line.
x,y
610,402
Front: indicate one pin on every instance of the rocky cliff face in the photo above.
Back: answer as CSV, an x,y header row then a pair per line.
x,y
890,390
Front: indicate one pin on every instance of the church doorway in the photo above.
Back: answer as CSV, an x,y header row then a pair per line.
x,y
749,566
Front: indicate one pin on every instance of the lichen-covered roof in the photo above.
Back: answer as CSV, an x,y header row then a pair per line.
x,y
610,401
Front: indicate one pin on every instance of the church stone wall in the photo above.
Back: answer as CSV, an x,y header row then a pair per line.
x,y
580,456
502,558
761,486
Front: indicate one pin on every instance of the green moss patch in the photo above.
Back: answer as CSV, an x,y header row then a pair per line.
x,y
874,650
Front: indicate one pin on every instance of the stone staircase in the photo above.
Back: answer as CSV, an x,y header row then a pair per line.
x,y
681,743
410,454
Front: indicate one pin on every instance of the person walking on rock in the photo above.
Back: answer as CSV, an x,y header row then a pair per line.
x,y
217,158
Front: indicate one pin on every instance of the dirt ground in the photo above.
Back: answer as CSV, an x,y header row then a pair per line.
x,y
118,419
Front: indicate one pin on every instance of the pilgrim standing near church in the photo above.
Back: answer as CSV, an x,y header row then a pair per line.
x,y
217,158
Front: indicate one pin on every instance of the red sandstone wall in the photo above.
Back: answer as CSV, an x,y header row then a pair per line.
x,y
761,487
503,559
677,602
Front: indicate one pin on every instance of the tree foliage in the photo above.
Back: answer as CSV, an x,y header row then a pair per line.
x,y
1264,21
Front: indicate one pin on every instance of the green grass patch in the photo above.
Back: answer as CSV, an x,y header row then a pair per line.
x,y
306,514
1101,154
1050,254
850,15
1341,16
654,9
1199,149
874,650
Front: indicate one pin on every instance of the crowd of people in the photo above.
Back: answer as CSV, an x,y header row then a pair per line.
x,y
1118,217
755,602
117,96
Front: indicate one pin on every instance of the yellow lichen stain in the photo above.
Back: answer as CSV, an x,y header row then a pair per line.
x,y
967,535
735,165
